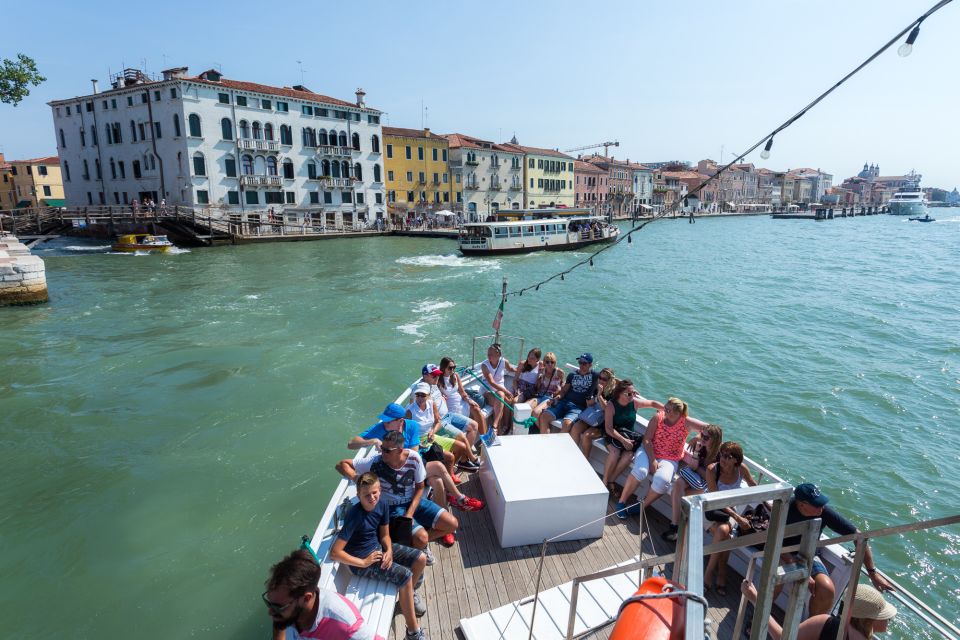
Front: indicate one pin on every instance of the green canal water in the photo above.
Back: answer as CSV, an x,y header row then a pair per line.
x,y
169,424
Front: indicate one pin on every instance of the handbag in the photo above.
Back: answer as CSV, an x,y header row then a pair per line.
x,y
431,453
401,530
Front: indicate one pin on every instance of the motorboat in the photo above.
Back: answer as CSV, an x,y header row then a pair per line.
x,y
925,218
134,242
909,199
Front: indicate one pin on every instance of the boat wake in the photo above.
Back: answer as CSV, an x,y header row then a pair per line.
x,y
449,260
178,250
103,247
426,313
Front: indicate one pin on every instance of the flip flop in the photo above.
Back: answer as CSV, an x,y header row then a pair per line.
x,y
721,589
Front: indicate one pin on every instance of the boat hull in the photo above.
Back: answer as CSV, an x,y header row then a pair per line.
x,y
133,248
907,208
572,246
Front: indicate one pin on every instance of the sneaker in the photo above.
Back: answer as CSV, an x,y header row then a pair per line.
x,y
448,540
416,635
456,479
634,509
470,466
419,606
468,504
492,439
429,556
620,510
670,535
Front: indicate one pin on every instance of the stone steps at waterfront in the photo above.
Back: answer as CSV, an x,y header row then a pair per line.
x,y
23,278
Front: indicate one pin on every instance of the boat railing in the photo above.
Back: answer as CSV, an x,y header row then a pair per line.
x,y
500,339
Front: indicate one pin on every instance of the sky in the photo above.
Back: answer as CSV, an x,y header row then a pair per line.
x,y
669,80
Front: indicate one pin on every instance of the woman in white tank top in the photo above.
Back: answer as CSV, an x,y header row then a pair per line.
x,y
494,369
458,401
525,382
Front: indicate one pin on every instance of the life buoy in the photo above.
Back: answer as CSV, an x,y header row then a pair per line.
x,y
659,619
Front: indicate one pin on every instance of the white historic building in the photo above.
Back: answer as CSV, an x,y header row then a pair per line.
x,y
642,188
209,141
488,175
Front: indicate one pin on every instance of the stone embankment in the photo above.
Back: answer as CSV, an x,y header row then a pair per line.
x,y
23,279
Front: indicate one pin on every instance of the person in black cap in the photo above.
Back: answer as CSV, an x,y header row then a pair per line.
x,y
576,394
809,502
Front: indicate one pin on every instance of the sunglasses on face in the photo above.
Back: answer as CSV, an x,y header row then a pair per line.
x,y
421,395
385,451
728,456
276,606
602,379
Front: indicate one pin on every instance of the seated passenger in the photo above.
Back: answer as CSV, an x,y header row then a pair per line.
x,y
589,424
402,474
549,381
452,425
525,381
660,455
620,424
438,478
870,614
494,369
729,473
576,394
425,412
457,398
299,608
364,545
700,452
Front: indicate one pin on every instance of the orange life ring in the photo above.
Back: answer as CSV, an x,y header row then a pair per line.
x,y
659,619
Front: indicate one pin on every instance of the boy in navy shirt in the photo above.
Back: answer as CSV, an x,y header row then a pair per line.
x,y
364,545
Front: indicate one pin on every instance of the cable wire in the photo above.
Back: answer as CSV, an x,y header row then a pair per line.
x,y
739,158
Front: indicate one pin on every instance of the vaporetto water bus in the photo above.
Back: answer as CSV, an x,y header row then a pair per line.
x,y
548,558
526,230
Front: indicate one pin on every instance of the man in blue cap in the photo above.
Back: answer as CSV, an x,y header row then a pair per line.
x,y
576,394
809,502
391,416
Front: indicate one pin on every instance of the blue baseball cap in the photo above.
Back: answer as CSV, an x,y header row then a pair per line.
x,y
392,412
585,357
431,369
810,493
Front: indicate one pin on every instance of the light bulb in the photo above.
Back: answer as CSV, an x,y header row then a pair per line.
x,y
905,49
765,154
766,149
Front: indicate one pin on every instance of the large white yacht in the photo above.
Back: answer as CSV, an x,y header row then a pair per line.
x,y
909,200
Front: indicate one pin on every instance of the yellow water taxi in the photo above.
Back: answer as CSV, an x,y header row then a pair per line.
x,y
131,243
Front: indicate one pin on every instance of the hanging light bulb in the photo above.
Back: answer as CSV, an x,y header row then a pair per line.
x,y
629,239
591,262
538,288
907,47
766,149
561,276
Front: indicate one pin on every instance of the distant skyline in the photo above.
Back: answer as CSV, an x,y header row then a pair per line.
x,y
670,81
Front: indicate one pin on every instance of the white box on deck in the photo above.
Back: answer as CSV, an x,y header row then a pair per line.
x,y
539,486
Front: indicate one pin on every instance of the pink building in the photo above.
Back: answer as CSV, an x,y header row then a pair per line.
x,y
590,185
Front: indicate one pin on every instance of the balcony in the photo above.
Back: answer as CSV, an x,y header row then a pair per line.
x,y
472,163
471,186
494,186
328,182
261,181
258,145
516,187
494,166
515,167
327,150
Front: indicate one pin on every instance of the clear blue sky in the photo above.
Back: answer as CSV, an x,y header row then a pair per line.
x,y
668,80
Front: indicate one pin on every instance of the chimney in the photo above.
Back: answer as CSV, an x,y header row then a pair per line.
x,y
426,132
360,94
96,87
174,73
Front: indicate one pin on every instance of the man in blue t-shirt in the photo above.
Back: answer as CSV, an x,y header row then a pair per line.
x,y
364,545
576,394
389,420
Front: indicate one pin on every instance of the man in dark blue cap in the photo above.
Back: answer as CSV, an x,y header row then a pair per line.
x,y
809,502
392,416
576,394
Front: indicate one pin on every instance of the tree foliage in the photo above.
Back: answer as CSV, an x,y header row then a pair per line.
x,y
16,77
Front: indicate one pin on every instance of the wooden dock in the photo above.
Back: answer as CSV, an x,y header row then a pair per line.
x,y
476,575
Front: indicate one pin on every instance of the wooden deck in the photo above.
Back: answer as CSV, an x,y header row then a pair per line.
x,y
476,575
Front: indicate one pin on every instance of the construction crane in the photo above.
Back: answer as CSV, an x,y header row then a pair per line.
x,y
606,147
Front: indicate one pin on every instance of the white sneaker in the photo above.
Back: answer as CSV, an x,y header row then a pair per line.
x,y
493,441
429,555
419,606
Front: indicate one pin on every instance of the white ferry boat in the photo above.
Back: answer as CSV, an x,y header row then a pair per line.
x,y
526,230
909,200
486,587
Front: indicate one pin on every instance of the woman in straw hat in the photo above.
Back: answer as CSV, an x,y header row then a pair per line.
x,y
870,614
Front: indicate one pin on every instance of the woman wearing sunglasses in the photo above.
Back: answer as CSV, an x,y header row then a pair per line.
x,y
458,400
729,472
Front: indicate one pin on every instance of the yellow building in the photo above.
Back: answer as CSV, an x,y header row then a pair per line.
x,y
548,179
31,183
418,171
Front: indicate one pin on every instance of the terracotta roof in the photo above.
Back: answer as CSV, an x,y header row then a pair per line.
x,y
286,92
585,167
684,175
463,141
412,133
519,148
44,160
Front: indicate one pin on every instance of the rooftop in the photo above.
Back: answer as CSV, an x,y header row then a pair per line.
x,y
536,151
411,133
463,141
43,160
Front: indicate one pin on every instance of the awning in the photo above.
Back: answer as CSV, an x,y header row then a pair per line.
x,y
23,204
646,206
55,202
731,205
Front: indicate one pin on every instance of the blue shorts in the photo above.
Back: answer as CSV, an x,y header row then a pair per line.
x,y
818,568
565,410
453,424
398,573
426,515
543,398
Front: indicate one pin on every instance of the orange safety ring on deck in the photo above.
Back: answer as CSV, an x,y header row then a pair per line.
x,y
656,619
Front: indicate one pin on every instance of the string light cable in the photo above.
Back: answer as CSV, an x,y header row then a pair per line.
x,y
767,141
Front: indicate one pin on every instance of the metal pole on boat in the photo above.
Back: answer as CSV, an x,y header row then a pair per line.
x,y
503,300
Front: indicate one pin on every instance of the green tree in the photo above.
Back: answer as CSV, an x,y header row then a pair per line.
x,y
16,77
